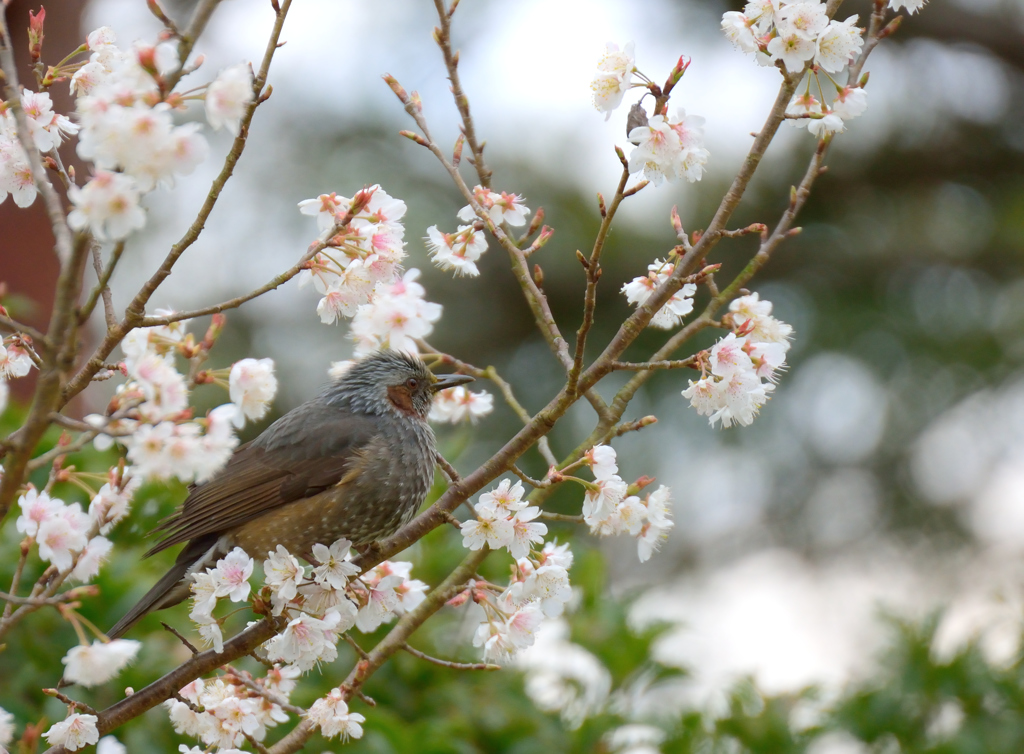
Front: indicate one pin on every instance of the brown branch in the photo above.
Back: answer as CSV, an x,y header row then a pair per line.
x,y
13,326
593,271
102,287
54,208
394,642
649,365
166,687
135,313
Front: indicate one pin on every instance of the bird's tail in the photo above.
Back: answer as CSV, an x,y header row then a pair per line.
x,y
172,588
168,591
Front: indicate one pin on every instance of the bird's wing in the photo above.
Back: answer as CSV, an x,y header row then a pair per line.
x,y
305,452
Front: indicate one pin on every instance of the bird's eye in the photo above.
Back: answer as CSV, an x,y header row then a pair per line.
x,y
412,383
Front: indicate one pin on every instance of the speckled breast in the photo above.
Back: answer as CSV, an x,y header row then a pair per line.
x,y
385,488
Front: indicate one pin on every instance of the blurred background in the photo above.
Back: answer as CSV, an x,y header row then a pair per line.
x,y
885,478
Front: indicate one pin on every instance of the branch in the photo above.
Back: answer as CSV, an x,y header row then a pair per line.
x,y
135,313
167,686
449,663
54,208
102,287
394,642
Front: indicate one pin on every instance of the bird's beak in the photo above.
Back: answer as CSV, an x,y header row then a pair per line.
x,y
451,380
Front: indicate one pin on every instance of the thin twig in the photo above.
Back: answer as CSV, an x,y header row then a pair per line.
x,y
448,469
189,645
650,365
449,663
69,701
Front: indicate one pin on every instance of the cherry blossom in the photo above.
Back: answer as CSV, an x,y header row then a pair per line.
x,y
228,96
46,127
506,498
457,251
838,44
108,205
457,404
283,574
738,30
491,527
678,306
397,314
253,386
62,535
499,206
306,641
669,149
331,715
525,532
36,508
95,664
92,557
335,568
74,732
231,575
614,74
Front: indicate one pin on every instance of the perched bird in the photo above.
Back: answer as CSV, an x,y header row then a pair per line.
x,y
355,462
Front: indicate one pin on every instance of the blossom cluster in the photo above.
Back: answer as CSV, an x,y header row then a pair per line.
x,y
539,589
797,33
458,404
70,538
794,32
321,603
743,364
609,509
150,415
230,709
667,148
460,251
503,519
639,289
359,274
125,127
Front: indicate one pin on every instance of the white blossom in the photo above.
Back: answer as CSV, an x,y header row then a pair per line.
x,y
108,205
74,732
506,498
614,75
231,575
46,127
491,527
669,149
792,49
253,386
850,102
92,557
331,715
563,677
306,641
283,574
227,97
805,19
14,361
62,535
335,569
672,311
457,251
457,404
525,531
382,600
737,28
397,314
36,507
838,44
95,664
501,207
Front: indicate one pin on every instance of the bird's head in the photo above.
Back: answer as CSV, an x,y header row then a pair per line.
x,y
391,381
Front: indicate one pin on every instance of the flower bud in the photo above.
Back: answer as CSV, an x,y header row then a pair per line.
x,y
35,33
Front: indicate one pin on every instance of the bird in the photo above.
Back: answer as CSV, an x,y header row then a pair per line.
x,y
355,462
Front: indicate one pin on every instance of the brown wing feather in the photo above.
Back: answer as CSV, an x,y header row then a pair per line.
x,y
305,452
